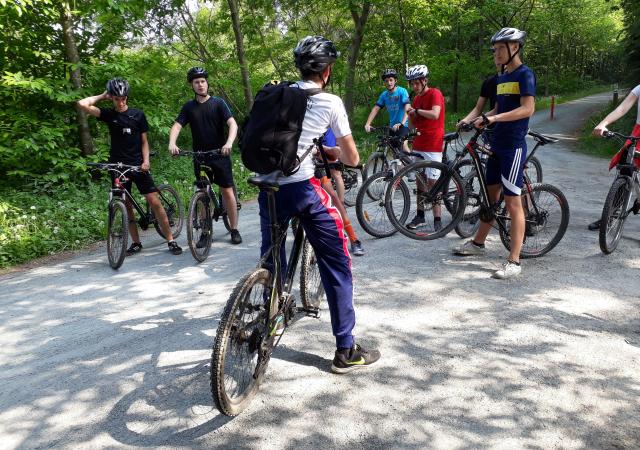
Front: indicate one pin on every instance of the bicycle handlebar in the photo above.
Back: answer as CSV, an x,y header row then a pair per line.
x,y
614,134
113,166
216,151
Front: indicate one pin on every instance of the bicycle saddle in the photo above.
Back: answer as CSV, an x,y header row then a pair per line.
x,y
268,181
542,138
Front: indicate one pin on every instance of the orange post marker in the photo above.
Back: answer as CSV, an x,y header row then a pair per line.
x,y
553,105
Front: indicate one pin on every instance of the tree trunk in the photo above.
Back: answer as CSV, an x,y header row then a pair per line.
x,y
71,51
360,21
244,68
403,31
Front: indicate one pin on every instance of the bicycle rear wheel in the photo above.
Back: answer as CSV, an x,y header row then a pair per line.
x,y
614,213
533,169
311,288
450,200
199,226
470,221
370,205
117,233
546,214
237,366
173,207
352,178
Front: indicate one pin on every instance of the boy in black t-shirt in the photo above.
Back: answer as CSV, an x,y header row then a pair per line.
x,y
128,129
207,117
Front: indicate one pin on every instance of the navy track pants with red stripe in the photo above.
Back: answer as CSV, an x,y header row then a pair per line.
x,y
324,229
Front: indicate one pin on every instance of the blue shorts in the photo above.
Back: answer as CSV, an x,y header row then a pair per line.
x,y
506,167
324,229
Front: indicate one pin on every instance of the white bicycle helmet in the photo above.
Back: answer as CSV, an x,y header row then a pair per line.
x,y
417,72
509,35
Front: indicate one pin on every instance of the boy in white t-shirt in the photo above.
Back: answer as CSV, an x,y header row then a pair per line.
x,y
632,99
302,195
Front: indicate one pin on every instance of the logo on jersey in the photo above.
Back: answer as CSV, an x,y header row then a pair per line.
x,y
510,88
126,131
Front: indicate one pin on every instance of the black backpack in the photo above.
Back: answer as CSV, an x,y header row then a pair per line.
x,y
270,135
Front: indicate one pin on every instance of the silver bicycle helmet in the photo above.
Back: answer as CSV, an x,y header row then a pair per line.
x,y
386,73
417,72
314,53
509,35
118,87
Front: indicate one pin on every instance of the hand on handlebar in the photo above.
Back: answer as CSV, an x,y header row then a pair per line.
x,y
396,127
367,128
600,130
175,151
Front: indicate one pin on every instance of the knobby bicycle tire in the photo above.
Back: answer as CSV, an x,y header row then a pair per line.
x,y
199,226
451,198
173,207
614,214
370,205
470,221
352,178
234,376
117,233
311,288
534,170
546,221
375,163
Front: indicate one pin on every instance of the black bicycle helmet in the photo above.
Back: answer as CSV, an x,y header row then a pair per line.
x,y
509,35
196,72
118,87
314,53
386,73
417,72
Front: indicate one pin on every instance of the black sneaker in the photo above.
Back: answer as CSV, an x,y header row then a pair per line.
x,y
354,358
174,248
416,222
235,237
593,226
134,248
202,242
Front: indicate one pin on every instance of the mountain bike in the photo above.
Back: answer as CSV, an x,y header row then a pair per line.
x,y
386,151
470,221
118,219
352,177
620,201
545,206
370,207
205,207
259,310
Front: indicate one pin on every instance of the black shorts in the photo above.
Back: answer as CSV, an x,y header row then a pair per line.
x,y
218,169
143,180
401,132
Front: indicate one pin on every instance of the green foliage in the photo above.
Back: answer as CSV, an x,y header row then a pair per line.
x,y
605,148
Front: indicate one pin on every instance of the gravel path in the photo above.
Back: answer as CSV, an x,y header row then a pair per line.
x,y
96,358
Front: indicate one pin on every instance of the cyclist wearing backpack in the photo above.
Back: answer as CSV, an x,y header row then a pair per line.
x,y
427,116
128,129
301,194
207,116
633,98
396,99
516,90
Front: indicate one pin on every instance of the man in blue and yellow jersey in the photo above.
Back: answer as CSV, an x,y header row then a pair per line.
x,y
515,104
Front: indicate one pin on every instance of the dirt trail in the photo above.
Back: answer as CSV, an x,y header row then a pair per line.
x,y
94,358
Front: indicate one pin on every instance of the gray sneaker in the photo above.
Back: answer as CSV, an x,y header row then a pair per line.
x,y
468,249
356,248
509,270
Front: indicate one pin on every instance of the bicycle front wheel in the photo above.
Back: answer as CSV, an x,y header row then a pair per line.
x,y
370,208
173,207
435,193
377,162
311,288
117,233
237,365
199,226
614,213
546,214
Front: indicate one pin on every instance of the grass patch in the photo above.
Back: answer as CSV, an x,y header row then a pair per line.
x,y
605,148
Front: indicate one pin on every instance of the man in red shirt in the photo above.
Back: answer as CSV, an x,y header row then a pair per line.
x,y
427,116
